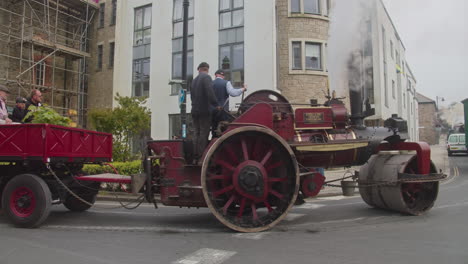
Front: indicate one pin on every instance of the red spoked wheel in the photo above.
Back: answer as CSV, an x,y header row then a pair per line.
x,y
22,202
419,196
26,200
250,179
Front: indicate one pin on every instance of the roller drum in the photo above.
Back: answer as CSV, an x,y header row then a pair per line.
x,y
379,184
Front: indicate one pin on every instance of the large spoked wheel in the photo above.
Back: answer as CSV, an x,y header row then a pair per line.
x,y
26,200
250,179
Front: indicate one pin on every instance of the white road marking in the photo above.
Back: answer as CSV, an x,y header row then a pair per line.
x,y
465,203
132,228
291,217
206,256
252,236
309,206
335,198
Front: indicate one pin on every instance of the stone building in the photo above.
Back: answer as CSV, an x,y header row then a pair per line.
x,y
102,49
427,112
278,45
44,44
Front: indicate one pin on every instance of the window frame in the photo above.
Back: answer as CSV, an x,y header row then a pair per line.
x,y
143,28
113,18
40,73
323,7
100,56
141,80
190,51
111,54
303,69
102,15
238,40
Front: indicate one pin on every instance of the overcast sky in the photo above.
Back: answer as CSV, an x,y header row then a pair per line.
x,y
435,34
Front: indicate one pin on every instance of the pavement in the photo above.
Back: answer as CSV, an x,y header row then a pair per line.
x,y
438,156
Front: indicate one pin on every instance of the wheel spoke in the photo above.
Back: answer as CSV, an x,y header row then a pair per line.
x,y
267,157
232,156
224,190
212,177
228,203
254,212
244,150
274,165
277,179
242,206
268,206
277,194
224,164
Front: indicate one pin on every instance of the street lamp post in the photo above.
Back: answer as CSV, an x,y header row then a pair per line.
x,y
183,105
437,101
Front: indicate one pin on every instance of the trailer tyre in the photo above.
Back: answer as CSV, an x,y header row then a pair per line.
x,y
75,205
26,201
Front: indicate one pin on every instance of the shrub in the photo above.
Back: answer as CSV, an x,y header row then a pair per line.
x,y
123,168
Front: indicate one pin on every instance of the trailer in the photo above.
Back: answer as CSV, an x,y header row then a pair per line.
x,y
465,106
28,155
249,177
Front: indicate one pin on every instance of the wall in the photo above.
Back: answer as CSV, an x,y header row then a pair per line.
x,y
427,123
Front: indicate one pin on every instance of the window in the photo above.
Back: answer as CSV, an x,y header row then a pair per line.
x,y
141,77
306,56
384,43
141,51
111,54
397,55
393,89
177,38
99,57
175,128
385,84
114,12
404,100
142,32
102,8
307,7
231,40
40,73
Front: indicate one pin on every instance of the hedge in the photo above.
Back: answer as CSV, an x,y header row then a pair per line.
x,y
123,168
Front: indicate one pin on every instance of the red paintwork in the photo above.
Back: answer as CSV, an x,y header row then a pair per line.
x,y
423,151
174,172
22,202
317,181
340,116
44,141
241,191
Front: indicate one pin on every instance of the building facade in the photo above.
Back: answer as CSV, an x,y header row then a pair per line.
x,y
266,44
427,112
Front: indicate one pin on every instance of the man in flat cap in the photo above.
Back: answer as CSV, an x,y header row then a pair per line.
x,y
203,101
20,110
4,91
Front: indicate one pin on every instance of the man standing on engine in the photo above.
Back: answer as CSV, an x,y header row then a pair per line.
x,y
203,101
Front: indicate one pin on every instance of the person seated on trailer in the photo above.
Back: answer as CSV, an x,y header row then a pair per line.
x,y
4,91
33,103
19,112
203,100
223,89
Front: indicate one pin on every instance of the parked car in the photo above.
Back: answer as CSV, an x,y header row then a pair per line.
x,y
456,144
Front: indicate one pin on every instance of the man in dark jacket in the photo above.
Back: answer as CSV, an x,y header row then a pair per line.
x,y
19,111
203,101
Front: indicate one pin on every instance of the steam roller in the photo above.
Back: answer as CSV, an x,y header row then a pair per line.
x,y
266,157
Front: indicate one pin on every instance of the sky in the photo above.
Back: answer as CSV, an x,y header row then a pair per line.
x,y
435,34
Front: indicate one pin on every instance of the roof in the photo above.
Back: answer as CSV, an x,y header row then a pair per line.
x,y
423,99
465,101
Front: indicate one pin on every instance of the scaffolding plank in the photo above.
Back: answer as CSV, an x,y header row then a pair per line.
x,y
38,41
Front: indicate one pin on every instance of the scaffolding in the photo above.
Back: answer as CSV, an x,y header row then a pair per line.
x,y
44,44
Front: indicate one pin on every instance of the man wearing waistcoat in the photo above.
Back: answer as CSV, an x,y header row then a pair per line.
x,y
223,89
203,102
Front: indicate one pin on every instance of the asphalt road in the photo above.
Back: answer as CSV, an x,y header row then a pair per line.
x,y
326,230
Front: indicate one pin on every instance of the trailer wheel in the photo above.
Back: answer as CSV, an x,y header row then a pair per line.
x,y
26,200
75,205
250,179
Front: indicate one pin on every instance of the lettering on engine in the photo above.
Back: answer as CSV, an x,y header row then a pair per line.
x,y
313,118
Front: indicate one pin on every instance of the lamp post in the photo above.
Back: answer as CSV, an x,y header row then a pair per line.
x,y
183,105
